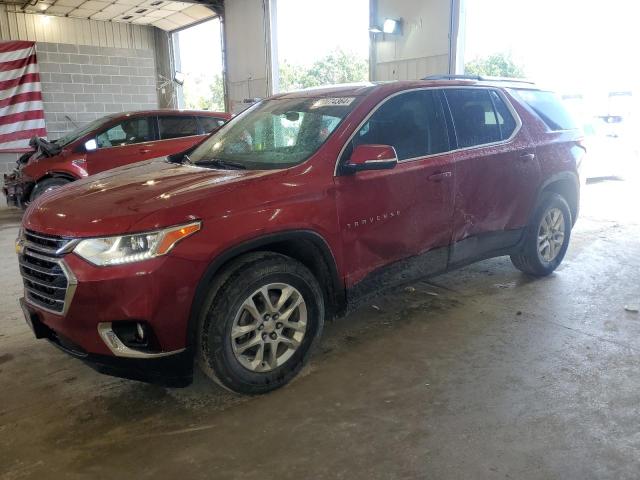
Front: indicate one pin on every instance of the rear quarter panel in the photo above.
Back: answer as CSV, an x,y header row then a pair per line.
x,y
559,153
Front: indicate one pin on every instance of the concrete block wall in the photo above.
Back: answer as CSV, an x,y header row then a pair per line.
x,y
82,83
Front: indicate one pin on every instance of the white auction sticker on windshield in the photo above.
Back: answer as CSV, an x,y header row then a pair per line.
x,y
333,102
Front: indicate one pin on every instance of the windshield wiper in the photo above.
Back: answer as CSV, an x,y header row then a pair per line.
x,y
216,162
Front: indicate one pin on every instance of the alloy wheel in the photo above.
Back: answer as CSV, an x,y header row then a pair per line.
x,y
551,234
269,327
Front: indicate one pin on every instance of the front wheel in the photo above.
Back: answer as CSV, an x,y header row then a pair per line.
x,y
547,237
259,323
47,185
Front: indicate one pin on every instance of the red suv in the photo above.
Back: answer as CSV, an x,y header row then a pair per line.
x,y
235,253
109,142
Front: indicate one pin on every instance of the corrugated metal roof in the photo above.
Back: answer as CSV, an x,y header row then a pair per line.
x,y
165,14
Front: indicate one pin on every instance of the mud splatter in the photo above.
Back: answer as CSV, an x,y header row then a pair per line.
x,y
5,358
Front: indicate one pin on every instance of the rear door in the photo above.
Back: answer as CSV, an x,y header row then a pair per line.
x,y
177,133
497,173
389,215
128,141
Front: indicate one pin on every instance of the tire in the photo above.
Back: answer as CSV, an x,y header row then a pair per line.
x,y
46,186
259,369
533,260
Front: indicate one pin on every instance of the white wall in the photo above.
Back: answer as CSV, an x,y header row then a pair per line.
x,y
42,28
247,51
423,47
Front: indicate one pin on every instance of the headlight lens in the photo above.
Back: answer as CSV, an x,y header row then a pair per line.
x,y
133,248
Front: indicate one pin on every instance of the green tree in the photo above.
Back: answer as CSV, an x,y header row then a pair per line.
x,y
496,65
202,95
336,67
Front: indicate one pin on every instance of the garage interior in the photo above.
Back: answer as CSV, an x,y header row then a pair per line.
x,y
478,373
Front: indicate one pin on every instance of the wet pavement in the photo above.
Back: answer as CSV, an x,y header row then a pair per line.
x,y
479,373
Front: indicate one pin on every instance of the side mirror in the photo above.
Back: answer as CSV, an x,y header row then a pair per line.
x,y
371,157
91,145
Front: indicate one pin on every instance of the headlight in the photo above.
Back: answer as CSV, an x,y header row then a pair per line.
x,y
133,248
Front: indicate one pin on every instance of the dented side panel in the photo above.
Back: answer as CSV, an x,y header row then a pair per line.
x,y
495,186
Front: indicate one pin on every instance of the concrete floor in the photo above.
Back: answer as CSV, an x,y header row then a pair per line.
x,y
480,373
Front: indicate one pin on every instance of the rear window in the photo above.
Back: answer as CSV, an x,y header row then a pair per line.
x,y
177,126
506,122
549,108
474,117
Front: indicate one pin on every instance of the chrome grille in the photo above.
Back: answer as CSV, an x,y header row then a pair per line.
x,y
46,244
48,282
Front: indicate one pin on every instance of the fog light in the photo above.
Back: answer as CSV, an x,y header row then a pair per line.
x,y
140,332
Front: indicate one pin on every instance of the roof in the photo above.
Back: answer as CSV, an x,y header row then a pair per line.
x,y
365,88
169,111
343,90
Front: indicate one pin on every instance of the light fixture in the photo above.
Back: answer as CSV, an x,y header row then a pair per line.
x,y
43,6
391,25
179,78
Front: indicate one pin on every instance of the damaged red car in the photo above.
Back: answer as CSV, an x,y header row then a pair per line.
x,y
109,142
232,255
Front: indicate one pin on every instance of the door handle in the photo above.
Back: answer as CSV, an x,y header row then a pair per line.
x,y
438,177
527,157
144,150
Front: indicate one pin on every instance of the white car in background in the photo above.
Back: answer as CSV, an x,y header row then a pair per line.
x,y
612,154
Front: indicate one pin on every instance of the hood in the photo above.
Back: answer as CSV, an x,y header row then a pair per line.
x,y
138,197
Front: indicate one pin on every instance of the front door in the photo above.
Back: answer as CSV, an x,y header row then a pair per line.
x,y
129,141
390,215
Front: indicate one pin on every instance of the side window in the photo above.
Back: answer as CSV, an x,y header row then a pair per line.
x,y
474,117
177,126
128,132
413,123
209,124
506,122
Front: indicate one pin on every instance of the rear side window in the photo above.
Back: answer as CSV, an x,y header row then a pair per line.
x,y
506,122
549,108
177,126
209,124
474,117
413,123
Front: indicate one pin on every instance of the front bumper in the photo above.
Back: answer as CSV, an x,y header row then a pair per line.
x,y
158,292
16,188
174,370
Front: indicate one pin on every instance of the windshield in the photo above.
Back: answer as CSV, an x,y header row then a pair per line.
x,y
276,133
81,131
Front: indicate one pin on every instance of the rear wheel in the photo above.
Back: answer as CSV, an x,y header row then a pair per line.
x,y
47,185
547,237
259,323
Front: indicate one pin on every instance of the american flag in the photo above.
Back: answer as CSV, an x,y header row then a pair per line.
x,y
21,113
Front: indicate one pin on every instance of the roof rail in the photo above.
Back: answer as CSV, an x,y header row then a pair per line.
x,y
478,78
452,77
